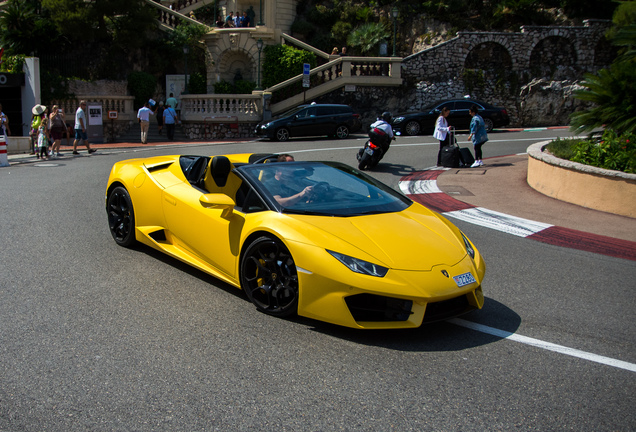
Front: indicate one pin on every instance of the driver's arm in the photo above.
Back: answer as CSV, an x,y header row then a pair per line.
x,y
291,200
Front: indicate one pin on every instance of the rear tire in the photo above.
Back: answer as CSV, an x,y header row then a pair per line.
x,y
489,124
365,161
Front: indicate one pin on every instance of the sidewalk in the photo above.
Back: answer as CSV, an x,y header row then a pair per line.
x,y
498,196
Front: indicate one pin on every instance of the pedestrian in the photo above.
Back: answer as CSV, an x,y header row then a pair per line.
x,y
441,132
170,119
43,138
219,21
229,21
244,21
4,124
143,115
343,51
478,134
334,51
80,129
159,115
172,102
57,128
36,119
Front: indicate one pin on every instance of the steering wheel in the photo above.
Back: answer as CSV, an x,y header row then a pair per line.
x,y
321,190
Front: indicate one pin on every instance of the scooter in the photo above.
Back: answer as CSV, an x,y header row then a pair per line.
x,y
372,153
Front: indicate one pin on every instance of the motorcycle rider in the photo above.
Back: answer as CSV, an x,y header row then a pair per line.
x,y
384,124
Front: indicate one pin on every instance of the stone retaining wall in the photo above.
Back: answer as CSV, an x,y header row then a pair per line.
x,y
596,188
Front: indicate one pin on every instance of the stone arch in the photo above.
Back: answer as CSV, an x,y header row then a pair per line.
x,y
236,64
554,57
488,56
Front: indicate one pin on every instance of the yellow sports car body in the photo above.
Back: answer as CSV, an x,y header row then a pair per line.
x,y
317,239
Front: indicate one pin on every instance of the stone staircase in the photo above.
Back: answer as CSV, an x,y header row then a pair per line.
x,y
134,134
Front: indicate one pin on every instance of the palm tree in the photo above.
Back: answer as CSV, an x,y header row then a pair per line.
x,y
367,37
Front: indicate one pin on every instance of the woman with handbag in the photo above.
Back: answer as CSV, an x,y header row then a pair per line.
x,y
57,128
441,132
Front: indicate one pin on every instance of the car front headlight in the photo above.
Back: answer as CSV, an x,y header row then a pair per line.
x,y
360,266
265,126
469,248
398,119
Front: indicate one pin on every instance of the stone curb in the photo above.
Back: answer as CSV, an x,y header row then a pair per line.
x,y
535,151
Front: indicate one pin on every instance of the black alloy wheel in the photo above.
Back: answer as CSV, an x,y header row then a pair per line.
x,y
121,217
282,134
342,132
269,277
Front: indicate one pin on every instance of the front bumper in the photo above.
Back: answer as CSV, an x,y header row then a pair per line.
x,y
401,299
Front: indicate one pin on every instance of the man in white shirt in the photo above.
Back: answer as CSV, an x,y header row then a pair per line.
x,y
80,129
143,115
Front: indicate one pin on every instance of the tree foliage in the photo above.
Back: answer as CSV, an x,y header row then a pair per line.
x,y
367,37
282,62
613,90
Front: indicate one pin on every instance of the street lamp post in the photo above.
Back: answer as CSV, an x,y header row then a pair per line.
x,y
394,13
260,12
186,50
259,45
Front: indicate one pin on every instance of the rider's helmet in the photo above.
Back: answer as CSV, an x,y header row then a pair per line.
x,y
387,117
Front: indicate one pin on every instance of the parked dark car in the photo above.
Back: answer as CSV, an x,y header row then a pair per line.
x,y
311,120
415,123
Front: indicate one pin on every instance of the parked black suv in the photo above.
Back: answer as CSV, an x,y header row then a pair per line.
x,y
311,120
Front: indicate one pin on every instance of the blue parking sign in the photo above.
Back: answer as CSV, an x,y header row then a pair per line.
x,y
306,68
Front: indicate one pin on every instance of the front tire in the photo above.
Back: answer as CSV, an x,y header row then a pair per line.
x,y
282,134
269,277
412,128
121,217
342,132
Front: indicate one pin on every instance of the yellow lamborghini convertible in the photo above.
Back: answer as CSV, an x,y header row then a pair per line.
x,y
318,239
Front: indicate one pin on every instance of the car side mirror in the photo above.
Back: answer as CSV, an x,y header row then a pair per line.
x,y
218,201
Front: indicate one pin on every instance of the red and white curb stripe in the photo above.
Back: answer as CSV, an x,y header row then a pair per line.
x,y
422,187
4,161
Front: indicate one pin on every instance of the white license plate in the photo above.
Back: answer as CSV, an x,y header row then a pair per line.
x,y
464,279
368,151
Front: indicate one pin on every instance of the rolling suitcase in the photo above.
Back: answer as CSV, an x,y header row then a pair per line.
x,y
467,158
449,154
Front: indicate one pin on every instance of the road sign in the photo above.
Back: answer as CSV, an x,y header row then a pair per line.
x,y
306,69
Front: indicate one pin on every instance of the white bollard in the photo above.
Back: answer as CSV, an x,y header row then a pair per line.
x,y
4,161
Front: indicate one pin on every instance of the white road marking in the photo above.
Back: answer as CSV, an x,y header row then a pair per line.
x,y
498,221
419,187
545,345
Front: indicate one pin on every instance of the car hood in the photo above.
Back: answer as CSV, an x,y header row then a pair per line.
x,y
414,239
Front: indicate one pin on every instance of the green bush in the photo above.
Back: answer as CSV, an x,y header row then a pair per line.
x,y
142,86
197,84
611,151
283,62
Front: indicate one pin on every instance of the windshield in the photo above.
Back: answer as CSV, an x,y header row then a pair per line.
x,y
323,188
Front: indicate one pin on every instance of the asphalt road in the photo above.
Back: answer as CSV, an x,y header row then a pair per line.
x,y
97,337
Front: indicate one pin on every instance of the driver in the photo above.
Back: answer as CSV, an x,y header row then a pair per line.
x,y
284,185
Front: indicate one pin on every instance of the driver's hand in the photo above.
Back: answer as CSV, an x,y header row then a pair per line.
x,y
308,191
